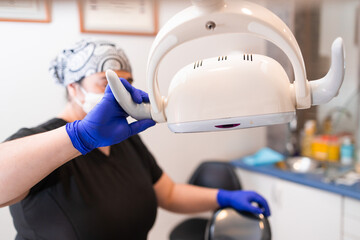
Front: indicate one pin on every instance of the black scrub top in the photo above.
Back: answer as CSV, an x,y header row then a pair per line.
x,y
93,196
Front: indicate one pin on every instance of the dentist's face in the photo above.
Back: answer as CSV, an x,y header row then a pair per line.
x,y
96,83
90,89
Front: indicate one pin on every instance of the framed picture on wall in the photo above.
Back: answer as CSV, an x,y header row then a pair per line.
x,y
25,11
131,17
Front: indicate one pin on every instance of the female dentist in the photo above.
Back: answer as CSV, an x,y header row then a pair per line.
x,y
86,174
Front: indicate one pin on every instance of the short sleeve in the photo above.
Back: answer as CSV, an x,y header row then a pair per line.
x,y
149,160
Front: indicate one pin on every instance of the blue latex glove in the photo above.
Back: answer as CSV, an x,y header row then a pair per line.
x,y
241,201
106,123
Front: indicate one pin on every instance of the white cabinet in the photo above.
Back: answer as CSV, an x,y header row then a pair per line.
x,y
298,212
351,219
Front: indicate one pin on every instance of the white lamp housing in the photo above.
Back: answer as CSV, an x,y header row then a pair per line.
x,y
228,92
235,91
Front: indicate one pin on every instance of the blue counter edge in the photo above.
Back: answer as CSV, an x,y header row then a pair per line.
x,y
311,180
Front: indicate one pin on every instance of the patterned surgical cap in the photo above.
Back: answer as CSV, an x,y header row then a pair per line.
x,y
86,58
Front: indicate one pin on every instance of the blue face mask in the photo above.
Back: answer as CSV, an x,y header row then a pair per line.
x,y
91,99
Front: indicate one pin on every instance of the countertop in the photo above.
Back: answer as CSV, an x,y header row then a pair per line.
x,y
314,180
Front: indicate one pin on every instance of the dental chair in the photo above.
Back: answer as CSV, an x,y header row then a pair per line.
x,y
208,174
224,224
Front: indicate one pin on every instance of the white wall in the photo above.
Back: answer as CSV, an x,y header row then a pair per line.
x,y
28,96
338,19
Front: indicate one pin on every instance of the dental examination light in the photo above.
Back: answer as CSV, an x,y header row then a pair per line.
x,y
230,91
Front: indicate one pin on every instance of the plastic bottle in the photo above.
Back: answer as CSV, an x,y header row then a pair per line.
x,y
327,126
320,148
347,151
333,149
309,131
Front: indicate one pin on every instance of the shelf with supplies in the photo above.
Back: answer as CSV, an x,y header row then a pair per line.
x,y
315,179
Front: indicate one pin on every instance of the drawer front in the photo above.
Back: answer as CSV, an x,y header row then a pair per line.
x,y
346,237
351,208
352,227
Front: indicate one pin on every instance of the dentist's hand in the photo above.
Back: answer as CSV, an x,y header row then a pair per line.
x,y
241,201
106,124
